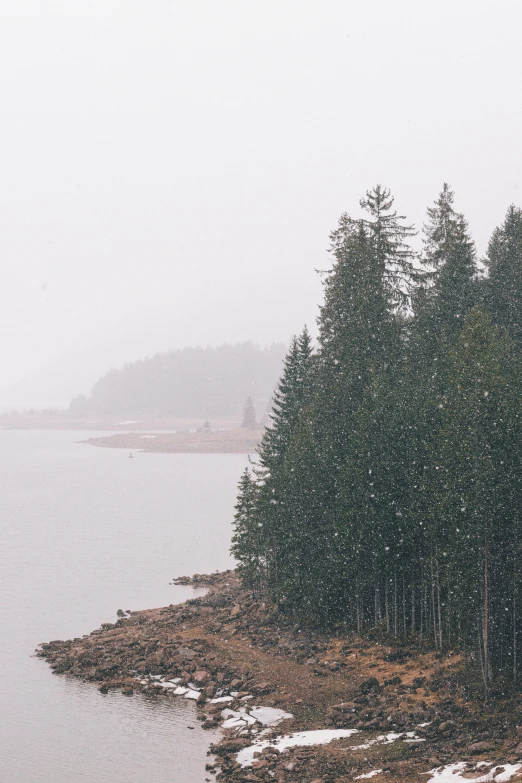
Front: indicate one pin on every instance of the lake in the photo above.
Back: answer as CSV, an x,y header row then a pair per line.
x,y
86,531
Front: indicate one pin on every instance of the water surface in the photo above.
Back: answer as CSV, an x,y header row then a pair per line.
x,y
86,531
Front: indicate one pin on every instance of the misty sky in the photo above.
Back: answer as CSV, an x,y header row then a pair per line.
x,y
171,169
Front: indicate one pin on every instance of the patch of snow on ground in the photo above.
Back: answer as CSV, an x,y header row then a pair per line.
x,y
192,694
387,739
451,773
369,774
236,720
221,699
269,716
245,757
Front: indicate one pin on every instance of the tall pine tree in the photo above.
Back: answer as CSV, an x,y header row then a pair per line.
x,y
504,263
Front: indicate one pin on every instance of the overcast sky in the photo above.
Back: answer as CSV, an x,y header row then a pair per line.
x,y
171,169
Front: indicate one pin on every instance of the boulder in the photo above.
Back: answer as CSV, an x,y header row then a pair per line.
x,y
201,676
481,747
371,685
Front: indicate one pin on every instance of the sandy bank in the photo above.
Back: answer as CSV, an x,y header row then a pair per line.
x,y
236,441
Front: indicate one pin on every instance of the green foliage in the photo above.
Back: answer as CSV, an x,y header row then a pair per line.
x,y
504,286
388,488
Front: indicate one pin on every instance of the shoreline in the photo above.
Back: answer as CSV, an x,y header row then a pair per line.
x,y
255,675
232,441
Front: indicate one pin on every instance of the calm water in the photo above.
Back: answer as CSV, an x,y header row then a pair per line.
x,y
86,531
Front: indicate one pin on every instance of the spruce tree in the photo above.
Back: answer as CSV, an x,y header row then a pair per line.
x,y
447,279
247,543
360,341
249,415
477,489
289,399
392,253
504,263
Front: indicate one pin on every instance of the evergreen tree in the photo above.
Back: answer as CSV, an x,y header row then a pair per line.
x,y
477,492
249,415
504,286
447,280
360,331
289,399
247,538
388,492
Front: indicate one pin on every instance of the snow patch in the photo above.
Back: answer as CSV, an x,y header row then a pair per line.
x,y
245,757
237,720
387,739
451,773
191,694
369,774
269,716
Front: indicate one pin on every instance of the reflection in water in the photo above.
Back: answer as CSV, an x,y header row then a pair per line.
x,y
85,532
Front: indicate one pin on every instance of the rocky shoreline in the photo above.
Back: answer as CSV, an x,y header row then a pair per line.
x,y
300,706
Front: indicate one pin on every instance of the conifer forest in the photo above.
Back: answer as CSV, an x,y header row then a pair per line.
x,y
386,494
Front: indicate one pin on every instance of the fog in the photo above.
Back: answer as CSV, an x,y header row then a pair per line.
x,y
171,170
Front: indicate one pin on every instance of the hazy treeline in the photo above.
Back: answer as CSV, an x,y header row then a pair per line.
x,y
388,489
193,382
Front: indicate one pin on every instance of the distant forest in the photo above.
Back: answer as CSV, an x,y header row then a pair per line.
x,y
387,496
188,383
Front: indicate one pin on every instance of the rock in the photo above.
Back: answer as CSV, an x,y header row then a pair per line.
x,y
371,685
399,717
185,652
518,749
103,688
200,676
481,747
231,746
262,687
447,727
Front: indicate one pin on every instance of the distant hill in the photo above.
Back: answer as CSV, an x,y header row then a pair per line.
x,y
193,382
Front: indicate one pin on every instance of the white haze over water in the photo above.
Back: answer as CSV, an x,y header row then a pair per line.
x,y
171,170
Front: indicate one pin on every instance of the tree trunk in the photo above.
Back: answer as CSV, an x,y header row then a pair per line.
x,y
435,635
485,628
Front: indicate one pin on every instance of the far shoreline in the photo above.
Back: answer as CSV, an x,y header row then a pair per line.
x,y
231,441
